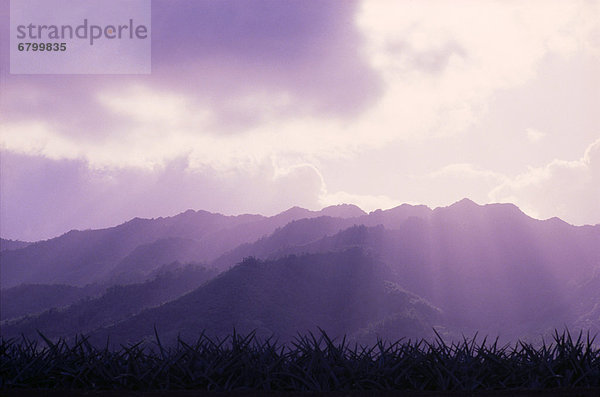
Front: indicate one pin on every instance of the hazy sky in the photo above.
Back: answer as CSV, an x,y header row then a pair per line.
x,y
257,106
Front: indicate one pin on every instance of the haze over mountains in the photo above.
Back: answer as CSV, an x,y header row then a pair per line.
x,y
391,273
140,245
6,244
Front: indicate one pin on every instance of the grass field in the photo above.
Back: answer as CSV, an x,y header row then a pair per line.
x,y
313,363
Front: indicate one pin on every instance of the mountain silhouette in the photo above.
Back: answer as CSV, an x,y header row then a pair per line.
x,y
464,268
341,293
83,257
36,298
6,244
115,304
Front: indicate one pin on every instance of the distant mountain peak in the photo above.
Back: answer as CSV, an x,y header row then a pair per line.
x,y
506,206
8,244
343,211
295,210
557,221
465,203
405,210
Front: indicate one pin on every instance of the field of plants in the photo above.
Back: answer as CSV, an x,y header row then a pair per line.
x,y
311,363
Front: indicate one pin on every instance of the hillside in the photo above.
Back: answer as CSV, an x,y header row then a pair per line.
x,y
115,304
487,268
490,268
6,244
35,298
91,256
341,293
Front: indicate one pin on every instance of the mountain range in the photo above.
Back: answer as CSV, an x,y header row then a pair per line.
x,y
394,273
6,244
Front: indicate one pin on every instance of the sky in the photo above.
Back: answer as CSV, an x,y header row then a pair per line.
x,y
255,107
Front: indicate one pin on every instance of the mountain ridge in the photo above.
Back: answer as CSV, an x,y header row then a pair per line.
x,y
82,257
489,267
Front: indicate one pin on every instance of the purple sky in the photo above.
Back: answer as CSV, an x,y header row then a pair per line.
x,y
259,106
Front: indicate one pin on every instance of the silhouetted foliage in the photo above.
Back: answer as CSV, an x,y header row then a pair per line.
x,y
116,304
310,363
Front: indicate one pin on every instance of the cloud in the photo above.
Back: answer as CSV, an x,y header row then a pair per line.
x,y
237,83
248,103
466,170
456,181
534,135
364,201
443,61
227,76
216,54
567,189
42,198
317,195
241,46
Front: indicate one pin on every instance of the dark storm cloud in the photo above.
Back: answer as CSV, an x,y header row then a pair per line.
x,y
216,53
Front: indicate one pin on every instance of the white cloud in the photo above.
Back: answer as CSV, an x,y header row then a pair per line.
x,y
567,189
364,201
454,182
306,171
441,63
476,48
466,170
148,107
534,135
37,138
